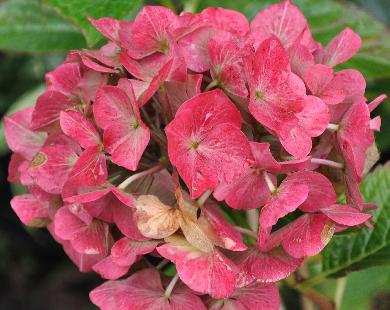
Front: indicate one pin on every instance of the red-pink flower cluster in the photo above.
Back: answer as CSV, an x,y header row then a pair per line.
x,y
135,152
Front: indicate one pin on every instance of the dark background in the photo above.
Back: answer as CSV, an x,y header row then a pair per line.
x,y
34,271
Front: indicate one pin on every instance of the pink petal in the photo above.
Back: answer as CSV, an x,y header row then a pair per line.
x,y
321,191
86,239
83,261
124,218
125,135
345,215
272,266
30,210
341,48
210,273
125,251
283,20
149,32
90,169
289,196
307,235
201,152
48,107
219,230
193,46
19,135
78,127
109,27
225,19
273,94
142,290
108,269
51,167
176,93
301,59
227,66
65,79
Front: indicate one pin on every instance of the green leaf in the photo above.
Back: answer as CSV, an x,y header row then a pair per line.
x,y
328,18
28,99
30,26
77,11
368,247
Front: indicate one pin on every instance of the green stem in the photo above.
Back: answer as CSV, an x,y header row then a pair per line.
x,y
212,85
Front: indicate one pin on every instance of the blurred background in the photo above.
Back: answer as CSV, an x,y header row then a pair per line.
x,y
35,37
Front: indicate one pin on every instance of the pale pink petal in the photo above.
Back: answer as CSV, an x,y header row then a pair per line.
x,y
30,210
345,215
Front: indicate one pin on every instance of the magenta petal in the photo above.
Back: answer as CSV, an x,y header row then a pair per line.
x,y
76,125
345,215
19,135
210,273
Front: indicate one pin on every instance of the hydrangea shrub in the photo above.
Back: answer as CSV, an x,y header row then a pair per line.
x,y
146,153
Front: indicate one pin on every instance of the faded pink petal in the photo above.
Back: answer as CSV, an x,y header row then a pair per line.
x,y
83,261
109,27
65,79
108,269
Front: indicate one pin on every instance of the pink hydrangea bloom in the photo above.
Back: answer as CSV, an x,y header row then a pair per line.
x,y
144,152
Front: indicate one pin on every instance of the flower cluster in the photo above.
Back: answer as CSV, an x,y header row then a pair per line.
x,y
144,153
